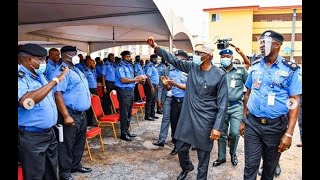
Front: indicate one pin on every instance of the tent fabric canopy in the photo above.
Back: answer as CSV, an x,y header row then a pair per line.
x,y
93,25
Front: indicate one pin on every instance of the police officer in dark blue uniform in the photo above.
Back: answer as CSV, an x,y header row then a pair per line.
x,y
273,93
73,99
125,82
37,114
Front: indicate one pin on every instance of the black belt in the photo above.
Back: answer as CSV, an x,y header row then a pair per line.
x,y
34,129
75,111
264,120
109,81
231,103
178,99
125,88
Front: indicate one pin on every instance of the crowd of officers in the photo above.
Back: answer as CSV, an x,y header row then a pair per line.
x,y
200,101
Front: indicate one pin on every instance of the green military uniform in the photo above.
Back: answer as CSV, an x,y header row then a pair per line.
x,y
236,77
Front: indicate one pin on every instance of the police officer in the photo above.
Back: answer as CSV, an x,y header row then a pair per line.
x,y
108,75
138,71
166,100
37,114
73,99
91,75
99,68
82,65
178,81
125,82
53,62
160,68
150,87
236,77
269,122
203,109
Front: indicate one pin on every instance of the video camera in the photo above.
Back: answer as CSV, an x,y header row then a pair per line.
x,y
223,43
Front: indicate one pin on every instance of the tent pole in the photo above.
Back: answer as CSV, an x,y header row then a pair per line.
x,y
170,43
89,49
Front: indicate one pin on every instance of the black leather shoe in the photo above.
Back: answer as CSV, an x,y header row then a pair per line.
x,y
131,135
174,151
278,170
82,170
218,162
155,117
184,174
234,160
158,143
159,112
149,119
125,137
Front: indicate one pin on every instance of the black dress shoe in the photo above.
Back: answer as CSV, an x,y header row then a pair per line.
x,y
218,162
184,174
131,135
174,151
149,119
125,137
82,170
278,170
158,143
159,112
155,117
234,160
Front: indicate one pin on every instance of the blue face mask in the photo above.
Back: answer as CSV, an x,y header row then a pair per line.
x,y
41,69
225,62
197,59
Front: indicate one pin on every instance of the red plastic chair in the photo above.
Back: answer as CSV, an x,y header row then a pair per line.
x,y
101,118
116,106
91,133
140,105
100,91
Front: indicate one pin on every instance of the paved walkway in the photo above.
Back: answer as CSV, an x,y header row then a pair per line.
x,y
140,160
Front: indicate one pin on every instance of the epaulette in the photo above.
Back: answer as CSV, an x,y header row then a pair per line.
x,y
21,74
291,65
256,61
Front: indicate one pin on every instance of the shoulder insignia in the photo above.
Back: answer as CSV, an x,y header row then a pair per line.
x,y
292,65
256,61
21,74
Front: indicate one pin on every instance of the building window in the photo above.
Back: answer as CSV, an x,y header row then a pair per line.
x,y
215,17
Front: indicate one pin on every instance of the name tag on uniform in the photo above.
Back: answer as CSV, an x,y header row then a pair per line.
x,y
271,98
233,83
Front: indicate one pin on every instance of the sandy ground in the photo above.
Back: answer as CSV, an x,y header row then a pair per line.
x,y
140,160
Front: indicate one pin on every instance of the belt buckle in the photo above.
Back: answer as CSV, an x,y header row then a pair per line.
x,y
263,121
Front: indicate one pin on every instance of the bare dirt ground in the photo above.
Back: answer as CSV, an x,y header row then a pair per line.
x,y
140,160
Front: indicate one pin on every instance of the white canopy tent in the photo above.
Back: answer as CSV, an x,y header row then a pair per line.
x,y
93,25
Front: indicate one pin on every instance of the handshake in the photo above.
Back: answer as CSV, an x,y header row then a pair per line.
x,y
167,82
